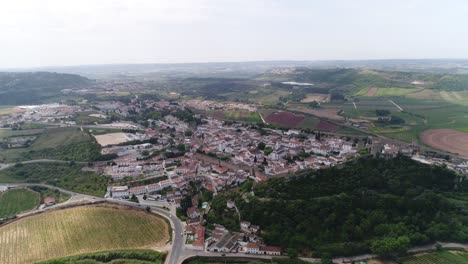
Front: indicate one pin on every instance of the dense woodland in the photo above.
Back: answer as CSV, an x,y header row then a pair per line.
x,y
369,205
35,87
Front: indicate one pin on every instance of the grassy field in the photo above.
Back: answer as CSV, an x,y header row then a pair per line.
x,y
16,201
79,230
67,176
129,256
13,133
440,257
54,143
246,116
235,115
387,92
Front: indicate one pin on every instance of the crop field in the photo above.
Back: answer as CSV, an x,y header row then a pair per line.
x,y
79,230
13,133
385,92
236,115
263,95
327,126
54,143
419,115
372,91
447,140
16,201
442,257
286,119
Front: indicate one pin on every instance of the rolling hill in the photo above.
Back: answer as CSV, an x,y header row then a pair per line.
x,y
18,88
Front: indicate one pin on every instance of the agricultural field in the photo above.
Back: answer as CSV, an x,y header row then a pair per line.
x,y
439,257
4,133
419,115
67,176
447,140
235,115
53,143
7,111
264,95
89,118
285,119
80,230
15,201
386,92
133,256
315,97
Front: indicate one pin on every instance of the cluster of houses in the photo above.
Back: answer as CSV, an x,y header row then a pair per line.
x,y
47,113
221,239
242,144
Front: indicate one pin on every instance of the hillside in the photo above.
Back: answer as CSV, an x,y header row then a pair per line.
x,y
347,78
34,87
369,205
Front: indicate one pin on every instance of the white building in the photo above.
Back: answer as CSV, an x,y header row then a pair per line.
x,y
120,192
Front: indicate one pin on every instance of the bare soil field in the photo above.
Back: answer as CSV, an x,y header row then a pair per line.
x,y
111,138
285,119
330,113
327,126
372,91
449,140
319,98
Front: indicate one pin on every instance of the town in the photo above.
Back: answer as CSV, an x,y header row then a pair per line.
x,y
167,160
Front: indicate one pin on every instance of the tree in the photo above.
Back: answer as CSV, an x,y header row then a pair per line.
x,y
134,199
317,136
292,253
267,150
188,133
181,147
391,246
261,146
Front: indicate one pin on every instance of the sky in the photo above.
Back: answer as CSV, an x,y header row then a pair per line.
x,y
82,32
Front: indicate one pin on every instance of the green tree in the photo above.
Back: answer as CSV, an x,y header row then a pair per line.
x,y
391,246
188,133
181,147
261,146
267,150
134,199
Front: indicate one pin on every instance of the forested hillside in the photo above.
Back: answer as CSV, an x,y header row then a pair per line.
x,y
369,205
34,87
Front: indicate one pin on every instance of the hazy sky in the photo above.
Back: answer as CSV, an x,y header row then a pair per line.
x,y
71,32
